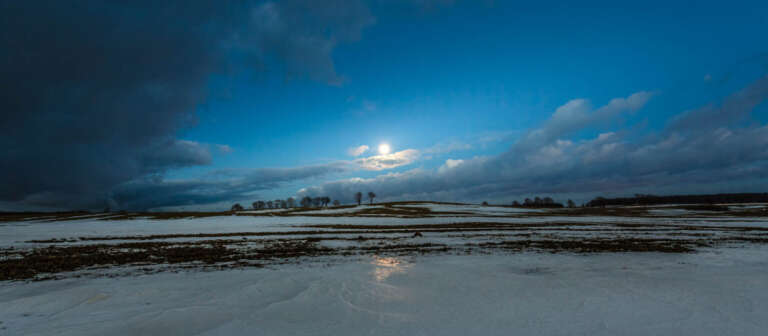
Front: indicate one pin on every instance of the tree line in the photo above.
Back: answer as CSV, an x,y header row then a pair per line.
x,y
542,202
642,199
305,202
539,202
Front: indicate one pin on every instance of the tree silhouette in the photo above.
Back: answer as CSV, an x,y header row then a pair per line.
x,y
336,203
571,204
237,207
371,196
306,201
358,197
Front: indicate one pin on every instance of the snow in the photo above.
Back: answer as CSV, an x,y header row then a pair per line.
x,y
475,209
350,210
17,233
526,294
715,291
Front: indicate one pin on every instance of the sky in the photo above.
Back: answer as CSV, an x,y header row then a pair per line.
x,y
192,105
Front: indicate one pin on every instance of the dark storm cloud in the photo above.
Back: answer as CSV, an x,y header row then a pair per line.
x,y
217,186
699,151
93,93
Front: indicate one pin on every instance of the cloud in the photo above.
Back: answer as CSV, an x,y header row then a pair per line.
x,y
691,154
224,185
735,108
93,95
389,161
357,151
449,164
578,114
303,34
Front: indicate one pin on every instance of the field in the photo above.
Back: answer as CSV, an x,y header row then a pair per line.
x,y
393,268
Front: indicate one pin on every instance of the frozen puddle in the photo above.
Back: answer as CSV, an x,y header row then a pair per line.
x,y
722,292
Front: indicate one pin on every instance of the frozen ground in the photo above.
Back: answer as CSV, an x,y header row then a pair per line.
x,y
525,294
453,270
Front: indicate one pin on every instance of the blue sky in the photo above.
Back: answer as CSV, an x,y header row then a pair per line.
x,y
458,80
458,72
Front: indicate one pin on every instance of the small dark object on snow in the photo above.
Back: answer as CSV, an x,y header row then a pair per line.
x,y
417,234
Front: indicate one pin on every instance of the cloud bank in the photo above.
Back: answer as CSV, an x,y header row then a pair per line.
x,y
697,151
99,89
217,186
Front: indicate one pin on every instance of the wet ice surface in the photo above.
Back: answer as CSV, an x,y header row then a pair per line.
x,y
713,293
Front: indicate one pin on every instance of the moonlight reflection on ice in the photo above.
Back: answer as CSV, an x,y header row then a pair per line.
x,y
386,266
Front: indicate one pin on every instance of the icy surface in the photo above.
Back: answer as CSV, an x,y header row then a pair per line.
x,y
523,294
715,291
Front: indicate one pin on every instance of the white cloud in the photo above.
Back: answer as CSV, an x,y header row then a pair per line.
x,y
449,164
357,151
389,161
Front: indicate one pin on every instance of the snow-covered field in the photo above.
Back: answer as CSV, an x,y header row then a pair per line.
x,y
456,270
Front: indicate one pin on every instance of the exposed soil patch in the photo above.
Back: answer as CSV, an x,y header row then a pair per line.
x,y
602,245
41,263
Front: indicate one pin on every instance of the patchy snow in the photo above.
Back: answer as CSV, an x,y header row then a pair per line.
x,y
472,208
264,211
724,293
672,212
349,210
16,233
715,291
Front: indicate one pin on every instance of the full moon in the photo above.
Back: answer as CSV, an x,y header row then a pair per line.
x,y
384,149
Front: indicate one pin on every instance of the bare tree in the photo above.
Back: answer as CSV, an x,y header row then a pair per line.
x,y
548,200
571,204
269,204
237,207
516,203
317,201
336,203
371,196
358,197
528,202
291,202
306,201
255,205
